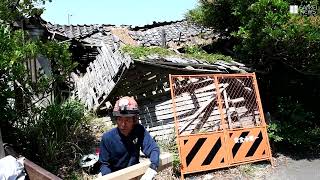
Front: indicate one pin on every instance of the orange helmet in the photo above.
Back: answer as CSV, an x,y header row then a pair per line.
x,y
126,107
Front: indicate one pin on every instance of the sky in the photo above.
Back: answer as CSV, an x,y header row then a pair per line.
x,y
116,12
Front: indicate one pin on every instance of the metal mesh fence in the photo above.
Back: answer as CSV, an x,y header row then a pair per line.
x,y
209,103
240,102
195,102
219,121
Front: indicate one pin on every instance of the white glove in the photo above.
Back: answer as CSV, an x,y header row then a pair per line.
x,y
149,174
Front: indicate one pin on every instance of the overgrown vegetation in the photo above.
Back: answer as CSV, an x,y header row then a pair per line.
x,y
295,125
191,52
55,135
170,145
282,45
265,30
33,117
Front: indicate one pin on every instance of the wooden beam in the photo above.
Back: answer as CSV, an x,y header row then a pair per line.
x,y
138,169
36,172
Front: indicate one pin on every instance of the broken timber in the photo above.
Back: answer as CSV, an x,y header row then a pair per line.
x,y
138,170
100,78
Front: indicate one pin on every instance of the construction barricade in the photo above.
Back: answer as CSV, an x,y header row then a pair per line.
x,y
219,121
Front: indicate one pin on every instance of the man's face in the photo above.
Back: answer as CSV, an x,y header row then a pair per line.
x,y
125,124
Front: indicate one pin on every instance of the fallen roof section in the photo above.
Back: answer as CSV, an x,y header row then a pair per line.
x,y
193,65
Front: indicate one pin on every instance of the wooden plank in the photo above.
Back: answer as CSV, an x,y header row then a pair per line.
x,y
36,172
106,67
183,107
177,99
237,100
119,59
181,101
195,115
162,132
214,116
128,60
138,169
109,54
210,120
107,59
163,127
202,83
171,116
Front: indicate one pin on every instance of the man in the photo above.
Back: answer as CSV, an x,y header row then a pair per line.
x,y
120,147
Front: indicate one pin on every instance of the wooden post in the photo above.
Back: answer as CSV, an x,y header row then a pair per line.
x,y
163,38
2,154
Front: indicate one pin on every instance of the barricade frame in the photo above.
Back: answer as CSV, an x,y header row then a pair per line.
x,y
185,141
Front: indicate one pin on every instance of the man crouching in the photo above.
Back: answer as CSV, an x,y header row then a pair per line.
x,y
120,146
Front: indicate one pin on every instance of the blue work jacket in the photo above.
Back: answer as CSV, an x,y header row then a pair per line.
x,y
118,151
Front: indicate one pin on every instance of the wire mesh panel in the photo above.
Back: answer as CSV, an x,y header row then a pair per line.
x,y
219,121
195,102
240,102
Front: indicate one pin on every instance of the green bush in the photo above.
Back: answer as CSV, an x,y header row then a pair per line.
x,y
294,125
266,31
55,133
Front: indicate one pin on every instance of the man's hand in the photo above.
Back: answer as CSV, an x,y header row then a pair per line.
x,y
149,174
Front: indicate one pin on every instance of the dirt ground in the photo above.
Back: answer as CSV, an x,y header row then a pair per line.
x,y
285,168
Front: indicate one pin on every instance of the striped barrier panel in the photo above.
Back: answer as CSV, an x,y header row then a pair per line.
x,y
225,128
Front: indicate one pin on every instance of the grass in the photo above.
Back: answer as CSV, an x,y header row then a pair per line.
x,y
171,146
247,170
192,52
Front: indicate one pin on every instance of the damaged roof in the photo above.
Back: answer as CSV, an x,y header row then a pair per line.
x,y
193,65
77,31
176,33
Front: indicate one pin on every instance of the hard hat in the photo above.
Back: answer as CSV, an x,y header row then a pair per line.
x,y
126,107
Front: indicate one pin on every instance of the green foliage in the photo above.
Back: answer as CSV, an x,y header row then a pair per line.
x,y
265,30
55,131
274,132
217,14
192,52
195,52
140,52
16,80
16,10
43,134
171,146
294,125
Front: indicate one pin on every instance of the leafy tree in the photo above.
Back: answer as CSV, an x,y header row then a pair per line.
x,y
267,32
17,10
44,133
285,46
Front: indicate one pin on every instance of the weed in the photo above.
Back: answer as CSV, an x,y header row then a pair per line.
x,y
192,52
247,170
